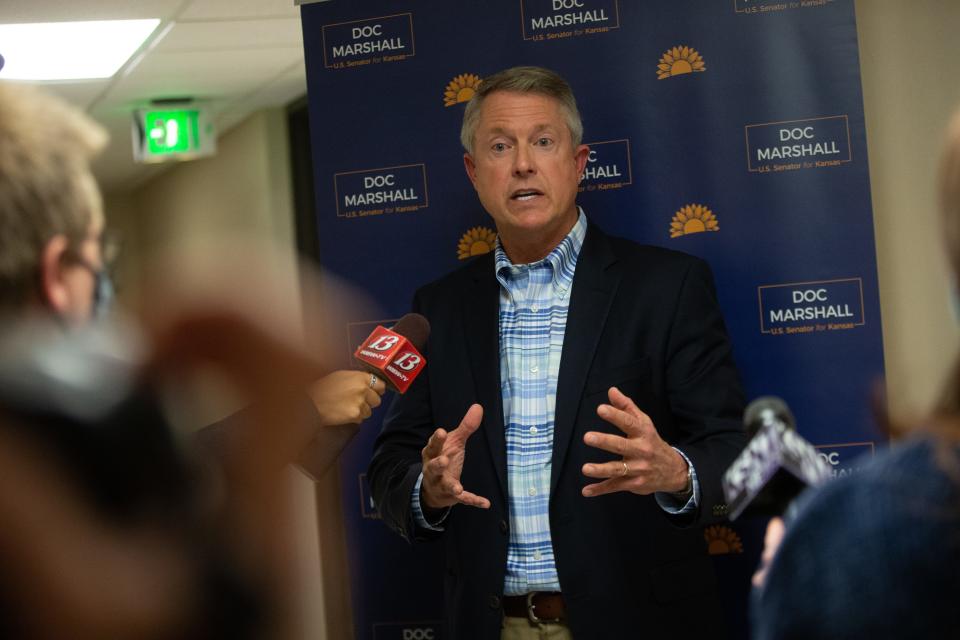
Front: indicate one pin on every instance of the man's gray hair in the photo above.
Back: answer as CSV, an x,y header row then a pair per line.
x,y
46,186
523,80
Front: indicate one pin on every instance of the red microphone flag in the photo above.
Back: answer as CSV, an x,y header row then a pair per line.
x,y
392,357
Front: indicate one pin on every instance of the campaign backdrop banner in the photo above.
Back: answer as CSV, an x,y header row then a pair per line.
x,y
730,129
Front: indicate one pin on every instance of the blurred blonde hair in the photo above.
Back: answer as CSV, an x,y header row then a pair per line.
x,y
46,186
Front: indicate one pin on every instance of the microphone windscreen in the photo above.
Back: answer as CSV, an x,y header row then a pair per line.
x,y
415,328
766,410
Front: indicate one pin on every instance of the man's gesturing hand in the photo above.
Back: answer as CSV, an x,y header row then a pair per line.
x,y
648,465
443,462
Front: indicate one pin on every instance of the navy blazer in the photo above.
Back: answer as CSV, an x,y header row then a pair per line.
x,y
641,318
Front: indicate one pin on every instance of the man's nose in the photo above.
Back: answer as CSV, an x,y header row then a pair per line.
x,y
524,164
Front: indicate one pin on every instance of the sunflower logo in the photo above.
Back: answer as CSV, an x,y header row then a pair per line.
x,y
461,89
678,61
722,540
476,242
693,218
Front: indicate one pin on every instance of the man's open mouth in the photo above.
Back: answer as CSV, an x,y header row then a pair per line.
x,y
525,194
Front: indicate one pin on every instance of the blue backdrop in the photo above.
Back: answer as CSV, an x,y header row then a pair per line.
x,y
729,129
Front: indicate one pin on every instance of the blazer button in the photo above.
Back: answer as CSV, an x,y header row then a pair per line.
x,y
494,602
504,527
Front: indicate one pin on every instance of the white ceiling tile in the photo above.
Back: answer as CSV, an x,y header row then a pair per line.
x,y
245,34
227,9
277,93
16,11
80,94
208,74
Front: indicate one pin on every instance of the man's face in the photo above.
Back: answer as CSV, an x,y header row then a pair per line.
x,y
526,171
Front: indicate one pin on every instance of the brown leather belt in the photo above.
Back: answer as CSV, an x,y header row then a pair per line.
x,y
539,606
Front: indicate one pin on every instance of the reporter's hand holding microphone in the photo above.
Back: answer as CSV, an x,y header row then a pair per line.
x,y
346,397
390,358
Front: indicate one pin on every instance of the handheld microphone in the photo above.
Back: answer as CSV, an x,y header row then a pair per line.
x,y
775,467
393,355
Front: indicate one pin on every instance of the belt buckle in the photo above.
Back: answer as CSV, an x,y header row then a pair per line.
x,y
532,617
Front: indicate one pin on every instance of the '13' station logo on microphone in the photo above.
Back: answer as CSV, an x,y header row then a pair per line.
x,y
405,361
798,144
608,166
373,192
369,41
358,331
845,459
554,19
391,356
766,6
805,307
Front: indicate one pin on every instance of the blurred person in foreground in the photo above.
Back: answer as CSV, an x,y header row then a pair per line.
x,y
107,528
876,555
55,249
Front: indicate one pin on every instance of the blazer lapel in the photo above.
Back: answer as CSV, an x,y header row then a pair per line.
x,y
481,322
595,283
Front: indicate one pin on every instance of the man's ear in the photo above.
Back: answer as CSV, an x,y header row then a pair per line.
x,y
471,168
53,288
580,156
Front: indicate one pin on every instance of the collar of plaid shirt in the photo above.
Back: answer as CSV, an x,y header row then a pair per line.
x,y
562,260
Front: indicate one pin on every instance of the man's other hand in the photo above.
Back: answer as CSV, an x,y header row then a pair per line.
x,y
443,463
647,464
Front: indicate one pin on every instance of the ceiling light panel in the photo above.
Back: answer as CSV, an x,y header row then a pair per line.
x,y
52,51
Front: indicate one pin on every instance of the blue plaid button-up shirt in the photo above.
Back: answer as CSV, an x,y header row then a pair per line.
x,y
534,299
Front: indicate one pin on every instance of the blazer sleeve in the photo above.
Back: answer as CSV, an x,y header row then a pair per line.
x,y
704,390
396,462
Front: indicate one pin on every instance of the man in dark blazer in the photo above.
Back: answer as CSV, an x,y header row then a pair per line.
x,y
601,379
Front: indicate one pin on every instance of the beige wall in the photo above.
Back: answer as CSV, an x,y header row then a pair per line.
x,y
238,202
908,59
245,187
243,191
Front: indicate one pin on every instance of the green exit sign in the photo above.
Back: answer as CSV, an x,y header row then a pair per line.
x,y
166,134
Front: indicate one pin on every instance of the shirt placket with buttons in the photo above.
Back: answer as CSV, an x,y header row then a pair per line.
x,y
529,398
